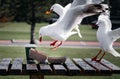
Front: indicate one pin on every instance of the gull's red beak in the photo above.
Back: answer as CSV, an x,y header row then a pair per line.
x,y
48,12
40,39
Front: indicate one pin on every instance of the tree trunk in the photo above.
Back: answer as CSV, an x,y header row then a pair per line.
x,y
32,38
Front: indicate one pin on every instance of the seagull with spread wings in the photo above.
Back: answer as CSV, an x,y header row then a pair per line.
x,y
60,10
106,36
62,29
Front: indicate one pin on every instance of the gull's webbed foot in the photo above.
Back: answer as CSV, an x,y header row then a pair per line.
x,y
57,46
53,43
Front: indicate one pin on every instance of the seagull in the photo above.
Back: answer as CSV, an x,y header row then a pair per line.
x,y
61,30
106,36
60,10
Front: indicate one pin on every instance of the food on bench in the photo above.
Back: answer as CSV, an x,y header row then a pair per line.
x,y
56,59
37,55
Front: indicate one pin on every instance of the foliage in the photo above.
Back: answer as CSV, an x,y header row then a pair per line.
x,y
20,10
7,32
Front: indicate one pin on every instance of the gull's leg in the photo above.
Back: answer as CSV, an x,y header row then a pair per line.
x,y
101,57
95,58
53,43
78,31
57,46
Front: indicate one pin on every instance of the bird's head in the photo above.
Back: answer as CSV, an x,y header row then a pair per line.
x,y
48,12
53,8
103,19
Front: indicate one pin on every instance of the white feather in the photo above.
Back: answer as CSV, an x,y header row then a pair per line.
x,y
62,29
105,35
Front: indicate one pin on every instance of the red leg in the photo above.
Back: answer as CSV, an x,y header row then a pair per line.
x,y
57,46
53,43
101,57
95,58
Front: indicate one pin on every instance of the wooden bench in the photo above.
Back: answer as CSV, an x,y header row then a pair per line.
x,y
72,67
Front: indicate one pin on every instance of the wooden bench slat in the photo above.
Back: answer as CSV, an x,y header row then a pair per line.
x,y
6,61
84,66
18,61
71,67
16,68
59,69
114,68
100,68
4,65
45,69
31,68
17,65
76,66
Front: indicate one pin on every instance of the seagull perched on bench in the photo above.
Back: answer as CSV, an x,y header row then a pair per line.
x,y
62,29
106,36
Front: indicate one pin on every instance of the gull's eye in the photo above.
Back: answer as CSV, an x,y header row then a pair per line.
x,y
106,8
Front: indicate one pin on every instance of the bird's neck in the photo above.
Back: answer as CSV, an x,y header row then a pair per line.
x,y
104,29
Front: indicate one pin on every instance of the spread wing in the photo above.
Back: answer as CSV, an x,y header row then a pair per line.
x,y
67,7
115,34
78,2
58,9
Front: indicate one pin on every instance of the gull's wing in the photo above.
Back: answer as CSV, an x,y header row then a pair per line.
x,y
60,10
67,6
78,2
57,8
114,34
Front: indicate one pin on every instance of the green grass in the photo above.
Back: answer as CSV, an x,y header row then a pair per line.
x,y
13,52
22,31
15,30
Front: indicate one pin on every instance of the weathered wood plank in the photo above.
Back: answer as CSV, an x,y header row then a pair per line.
x,y
6,61
45,69
100,68
76,67
17,65
31,68
114,68
72,68
86,69
18,61
59,69
4,65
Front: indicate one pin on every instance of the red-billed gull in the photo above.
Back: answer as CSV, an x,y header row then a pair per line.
x,y
106,36
60,10
62,29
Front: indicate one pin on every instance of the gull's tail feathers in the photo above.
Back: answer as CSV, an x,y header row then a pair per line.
x,y
114,53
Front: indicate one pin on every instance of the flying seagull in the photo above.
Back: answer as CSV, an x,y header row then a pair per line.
x,y
60,10
62,29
